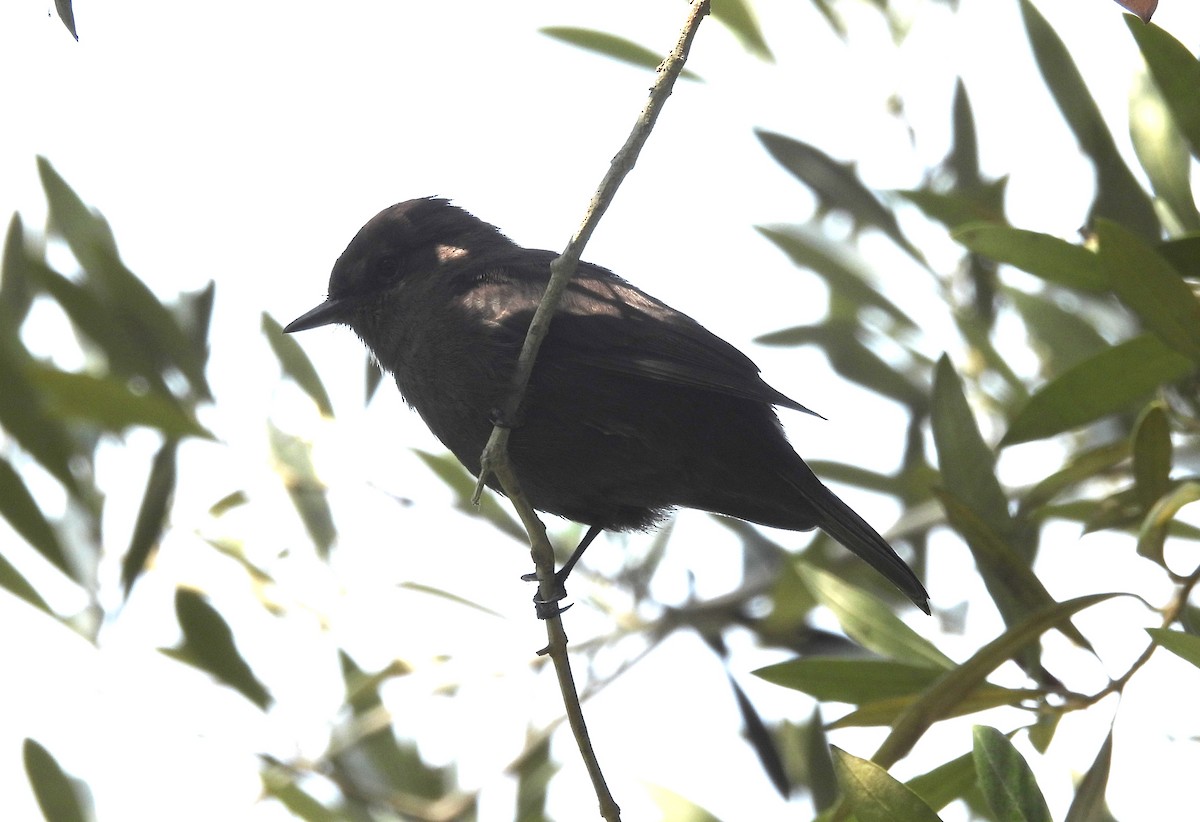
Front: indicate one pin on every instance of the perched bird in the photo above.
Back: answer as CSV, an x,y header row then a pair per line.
x,y
633,408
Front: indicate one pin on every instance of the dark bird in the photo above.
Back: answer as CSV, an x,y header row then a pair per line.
x,y
633,408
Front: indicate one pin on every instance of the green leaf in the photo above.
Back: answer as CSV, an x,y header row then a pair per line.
x,y
738,17
280,783
1154,529
868,621
1176,72
960,207
873,795
1150,287
152,515
1183,253
1118,195
60,797
844,274
24,416
836,186
1088,804
885,712
675,806
611,45
110,404
1185,646
1062,337
293,463
1079,468
450,471
1163,153
15,293
208,645
854,681
12,581
947,782
22,512
1109,382
1007,782
1152,455
954,686
1054,260
296,364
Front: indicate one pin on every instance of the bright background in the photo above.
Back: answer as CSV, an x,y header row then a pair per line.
x,y
247,142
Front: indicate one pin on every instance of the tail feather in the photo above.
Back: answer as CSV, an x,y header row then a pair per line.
x,y
839,520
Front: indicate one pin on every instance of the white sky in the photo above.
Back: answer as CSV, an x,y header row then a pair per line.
x,y
247,142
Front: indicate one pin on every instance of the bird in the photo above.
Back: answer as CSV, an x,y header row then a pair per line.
x,y
633,408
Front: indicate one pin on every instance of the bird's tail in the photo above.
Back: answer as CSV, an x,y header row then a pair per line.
x,y
839,520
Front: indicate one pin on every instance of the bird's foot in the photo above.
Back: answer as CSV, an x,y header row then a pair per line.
x,y
547,607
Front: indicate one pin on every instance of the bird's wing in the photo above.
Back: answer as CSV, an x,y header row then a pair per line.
x,y
604,322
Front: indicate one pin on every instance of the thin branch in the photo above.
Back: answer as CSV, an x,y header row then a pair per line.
x,y
495,462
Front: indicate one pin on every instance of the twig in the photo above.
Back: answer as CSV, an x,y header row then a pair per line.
x,y
494,460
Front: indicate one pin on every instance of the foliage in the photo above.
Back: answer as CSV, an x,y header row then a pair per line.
x,y
1113,322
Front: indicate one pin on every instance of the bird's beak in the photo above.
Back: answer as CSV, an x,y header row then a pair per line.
x,y
330,311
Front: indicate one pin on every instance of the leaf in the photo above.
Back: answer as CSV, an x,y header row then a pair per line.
x,y
854,681
24,416
1079,468
110,404
1163,152
1176,72
1107,383
450,471
1154,529
610,45
296,364
1150,287
677,807
1185,646
12,581
1118,195
208,645
1183,253
957,208
26,518
1088,804
15,293
446,595
758,736
947,782
67,15
1062,337
941,698
280,783
1054,260
738,17
60,797
293,463
152,514
1008,784
873,795
868,621
1152,454
885,712
836,186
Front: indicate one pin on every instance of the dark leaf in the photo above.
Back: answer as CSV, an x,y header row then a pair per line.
x,y
738,17
25,417
1118,195
610,45
60,797
208,645
152,515
836,185
1176,72
1185,646
16,294
1088,804
1109,382
293,463
1152,453
1041,255
761,740
1183,253
12,581
1007,782
874,795
22,512
296,364
820,777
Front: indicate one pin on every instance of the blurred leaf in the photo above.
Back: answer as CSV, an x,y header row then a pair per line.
x,y
1041,733
1152,453
967,464
1088,804
1062,337
60,797
1176,72
843,274
281,784
756,733
1118,195
110,404
22,512
1149,286
1007,782
836,186
1154,528
738,17
816,762
1185,646
534,770
954,209
12,581
441,594
947,782
450,471
228,503
15,293
128,299
152,515
963,159
208,645
854,681
24,415
1105,384
941,698
293,463
1183,253
67,15
193,311
677,808
1162,151
868,621
610,45
296,364
873,795
885,712
1080,467
1041,255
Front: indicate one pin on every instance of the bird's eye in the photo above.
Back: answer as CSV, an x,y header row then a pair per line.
x,y
386,269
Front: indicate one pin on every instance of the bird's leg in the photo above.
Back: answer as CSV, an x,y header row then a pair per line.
x,y
546,607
